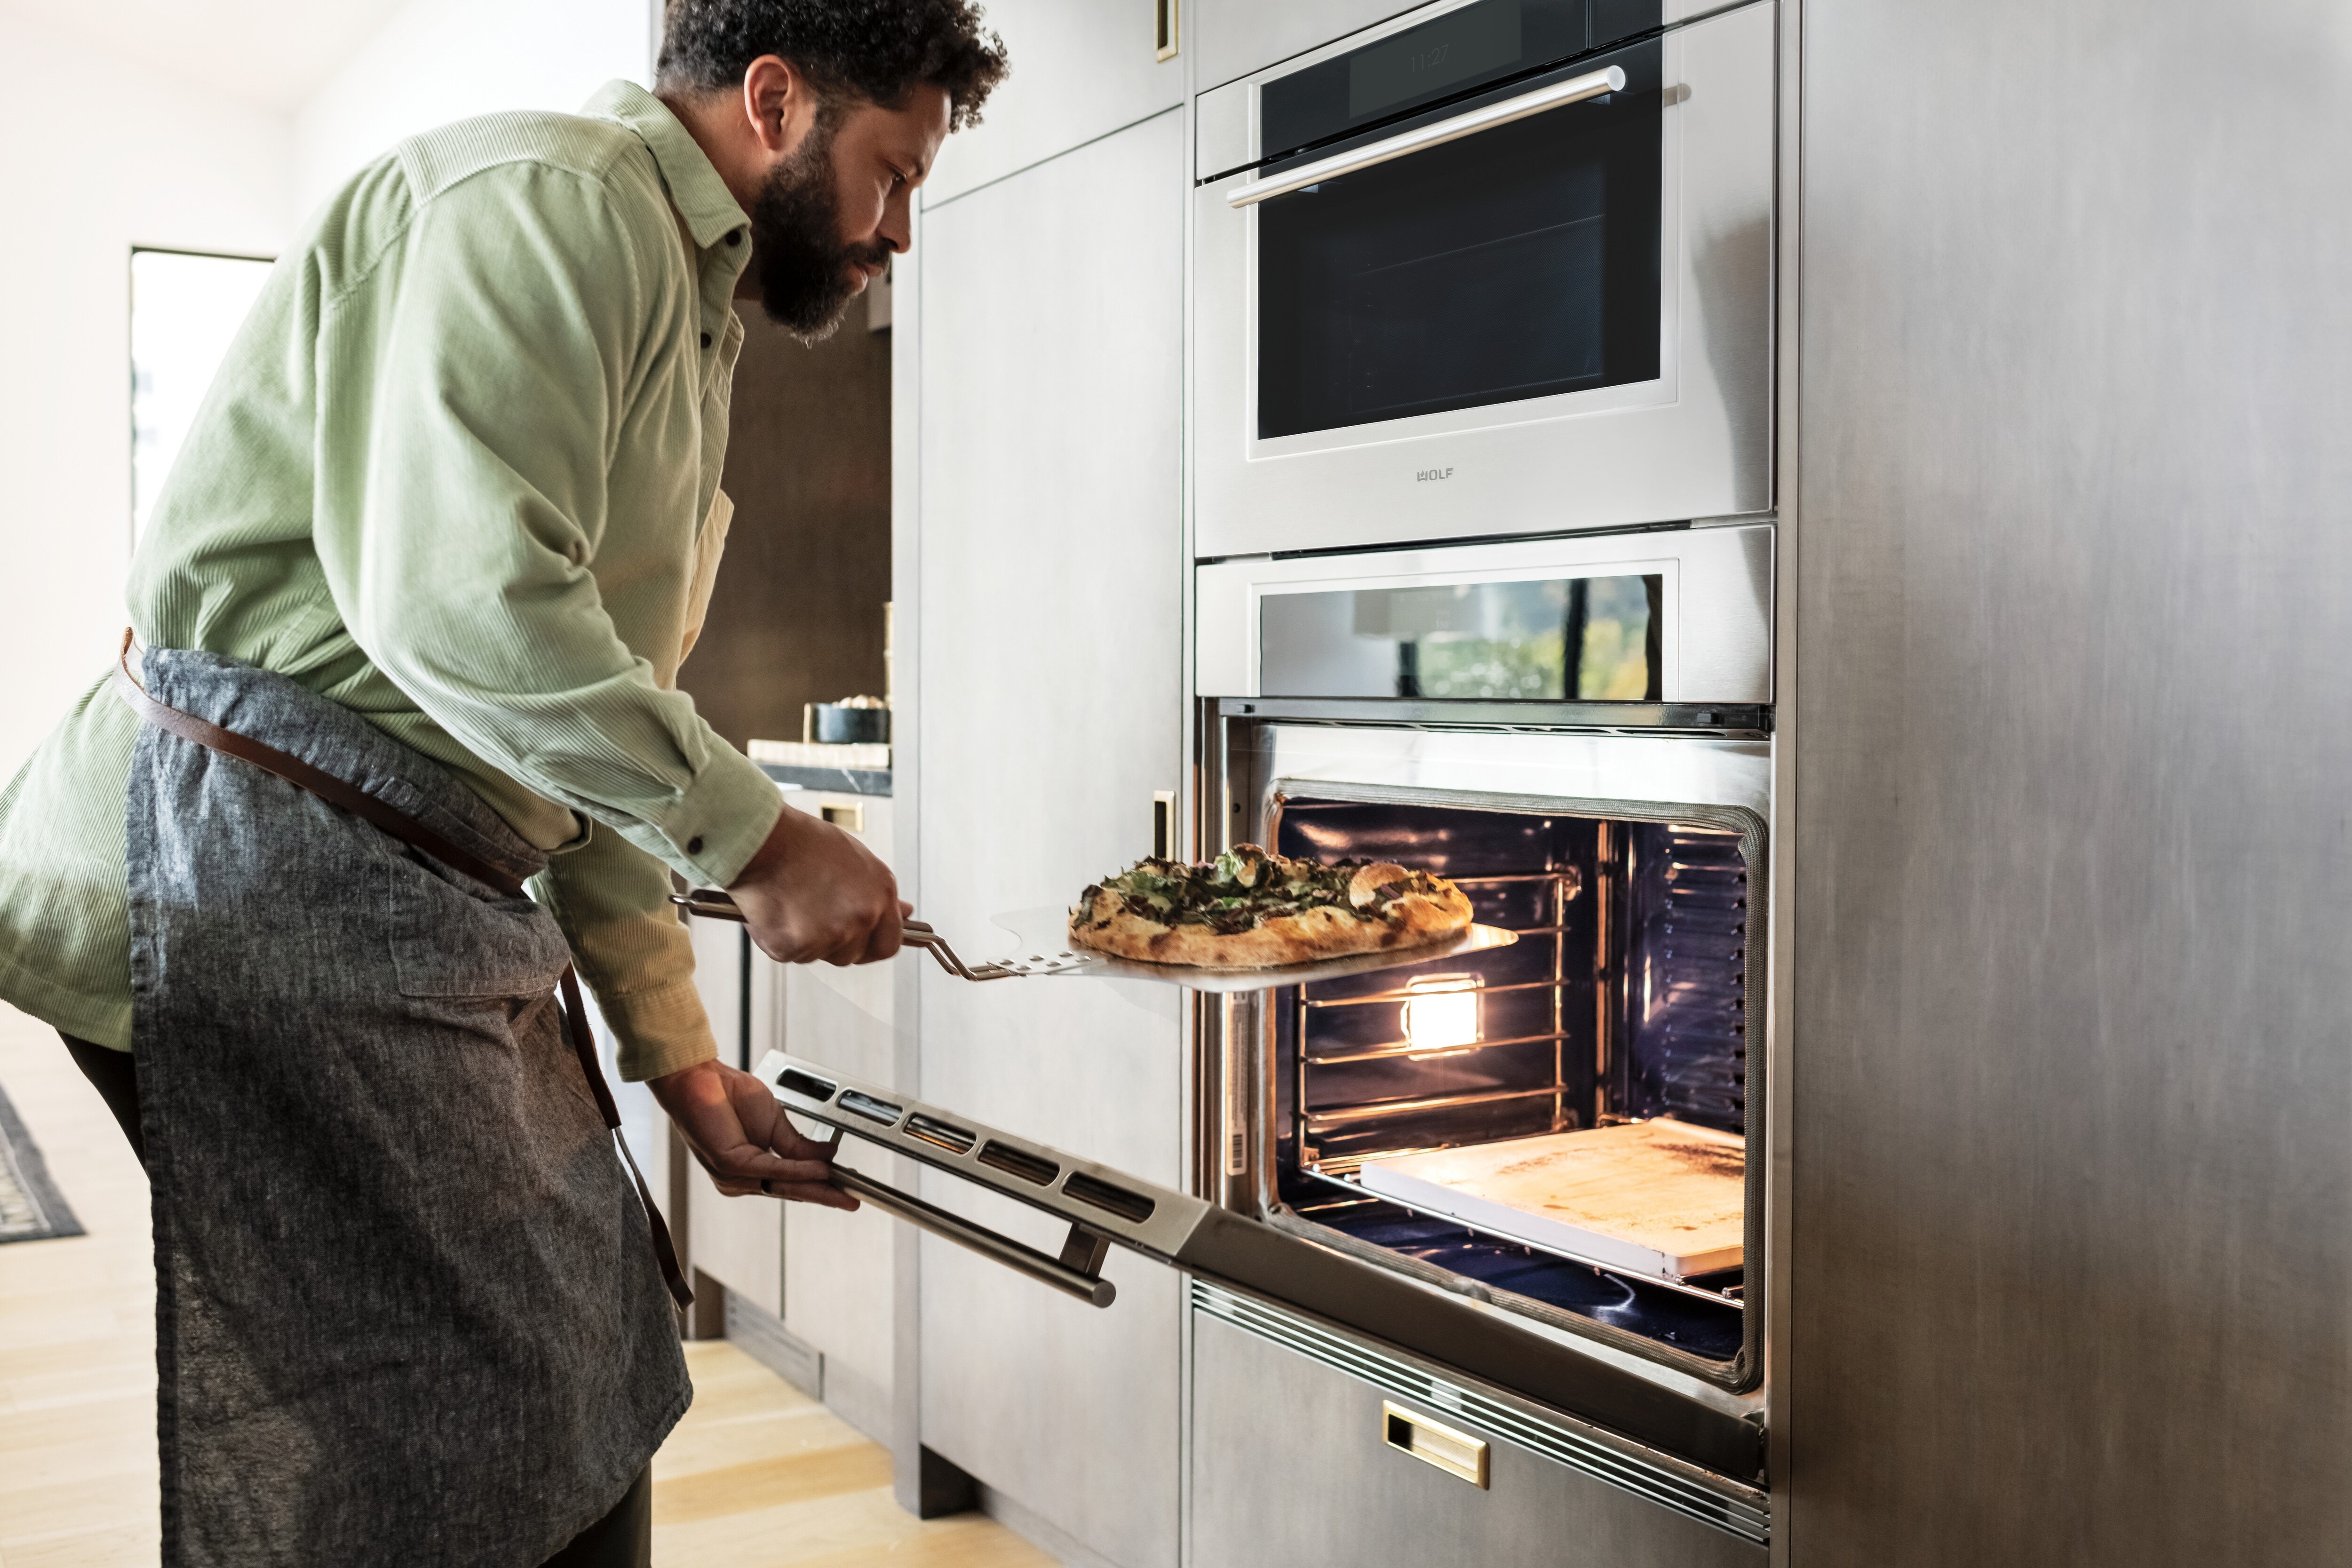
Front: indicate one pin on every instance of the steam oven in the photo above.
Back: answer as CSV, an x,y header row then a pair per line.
x,y
1492,268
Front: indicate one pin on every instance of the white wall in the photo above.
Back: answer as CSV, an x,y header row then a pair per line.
x,y
176,160
438,60
111,155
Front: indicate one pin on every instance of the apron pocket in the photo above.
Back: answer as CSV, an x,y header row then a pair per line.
x,y
448,940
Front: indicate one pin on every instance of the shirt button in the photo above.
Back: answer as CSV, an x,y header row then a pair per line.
x,y
694,844
734,236
705,340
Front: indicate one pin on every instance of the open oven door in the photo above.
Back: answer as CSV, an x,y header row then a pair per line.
x,y
1106,1207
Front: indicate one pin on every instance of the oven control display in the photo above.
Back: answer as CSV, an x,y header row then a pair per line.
x,y
1454,48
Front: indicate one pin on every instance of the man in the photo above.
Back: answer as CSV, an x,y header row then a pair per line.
x,y
411,610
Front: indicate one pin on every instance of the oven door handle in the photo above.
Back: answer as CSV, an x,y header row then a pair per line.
x,y
1575,89
1059,1272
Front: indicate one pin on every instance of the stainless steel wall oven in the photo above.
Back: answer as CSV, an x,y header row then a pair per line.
x,y
1494,268
1525,1179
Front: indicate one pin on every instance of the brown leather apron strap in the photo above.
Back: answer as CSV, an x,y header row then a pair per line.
x,y
408,830
575,1024
295,771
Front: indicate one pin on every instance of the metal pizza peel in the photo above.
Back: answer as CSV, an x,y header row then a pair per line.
x,y
1045,951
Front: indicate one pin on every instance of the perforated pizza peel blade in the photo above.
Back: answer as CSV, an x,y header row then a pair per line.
x,y
1046,949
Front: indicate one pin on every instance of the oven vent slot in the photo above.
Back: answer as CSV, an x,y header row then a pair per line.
x,y
1131,1207
940,1135
873,1109
800,1082
1018,1162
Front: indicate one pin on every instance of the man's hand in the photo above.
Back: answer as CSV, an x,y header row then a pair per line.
x,y
741,1136
815,892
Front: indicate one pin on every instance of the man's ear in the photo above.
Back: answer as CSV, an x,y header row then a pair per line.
x,y
779,104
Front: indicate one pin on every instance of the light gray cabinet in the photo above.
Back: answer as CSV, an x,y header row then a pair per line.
x,y
839,1273
1049,705
829,1278
1081,68
735,1241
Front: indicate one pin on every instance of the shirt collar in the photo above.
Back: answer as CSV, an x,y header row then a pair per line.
x,y
695,188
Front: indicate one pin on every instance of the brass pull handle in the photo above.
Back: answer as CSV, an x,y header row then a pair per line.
x,y
1163,824
1435,1443
1164,29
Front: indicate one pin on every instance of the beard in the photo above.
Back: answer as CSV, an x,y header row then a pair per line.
x,y
805,278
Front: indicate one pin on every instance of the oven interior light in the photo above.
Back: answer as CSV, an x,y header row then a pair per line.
x,y
1441,1013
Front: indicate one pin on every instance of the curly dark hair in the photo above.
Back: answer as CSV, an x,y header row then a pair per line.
x,y
879,50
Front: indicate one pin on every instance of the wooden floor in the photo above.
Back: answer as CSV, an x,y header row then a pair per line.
x,y
757,1474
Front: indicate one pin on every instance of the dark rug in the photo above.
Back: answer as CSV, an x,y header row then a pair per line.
x,y
31,1207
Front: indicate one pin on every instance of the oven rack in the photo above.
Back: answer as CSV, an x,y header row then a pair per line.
x,y
1382,1109
1729,1296
1567,884
1390,1049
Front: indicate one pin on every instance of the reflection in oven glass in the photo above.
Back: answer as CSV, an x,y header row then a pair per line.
x,y
1593,639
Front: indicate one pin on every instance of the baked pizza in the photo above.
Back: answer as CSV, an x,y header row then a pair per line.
x,y
1251,910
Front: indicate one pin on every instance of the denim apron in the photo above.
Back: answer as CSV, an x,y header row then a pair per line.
x,y
405,1313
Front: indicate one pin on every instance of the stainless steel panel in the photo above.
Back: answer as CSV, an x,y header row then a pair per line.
x,y
1289,1466
1081,68
1718,603
1693,444
1049,584
2073,1224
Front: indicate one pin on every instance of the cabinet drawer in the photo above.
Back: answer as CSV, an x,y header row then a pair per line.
x,y
1298,1463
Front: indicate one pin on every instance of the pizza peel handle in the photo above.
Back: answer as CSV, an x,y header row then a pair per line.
x,y
712,904
1047,951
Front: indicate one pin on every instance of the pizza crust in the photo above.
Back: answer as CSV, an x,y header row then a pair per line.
x,y
1413,919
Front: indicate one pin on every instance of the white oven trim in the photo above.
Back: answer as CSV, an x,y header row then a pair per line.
x,y
1667,771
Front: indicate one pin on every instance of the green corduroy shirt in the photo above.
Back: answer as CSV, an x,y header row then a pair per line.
x,y
458,473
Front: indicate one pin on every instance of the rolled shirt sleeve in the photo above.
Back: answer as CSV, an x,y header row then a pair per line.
x,y
612,899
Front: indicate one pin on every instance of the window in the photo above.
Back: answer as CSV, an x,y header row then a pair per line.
x,y
184,310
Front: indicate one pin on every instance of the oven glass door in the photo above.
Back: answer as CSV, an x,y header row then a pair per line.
x,y
1517,262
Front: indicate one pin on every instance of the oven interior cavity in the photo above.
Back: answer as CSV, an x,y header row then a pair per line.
x,y
1563,1121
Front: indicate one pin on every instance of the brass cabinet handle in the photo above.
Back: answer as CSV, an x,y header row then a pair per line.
x,y
1435,1443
